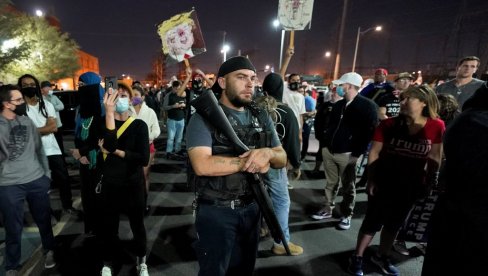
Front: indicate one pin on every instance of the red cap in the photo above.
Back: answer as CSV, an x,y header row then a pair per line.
x,y
382,70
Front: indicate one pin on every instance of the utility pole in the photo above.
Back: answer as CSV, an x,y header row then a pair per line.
x,y
339,41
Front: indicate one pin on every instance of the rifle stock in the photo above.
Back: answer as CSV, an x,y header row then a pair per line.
x,y
206,105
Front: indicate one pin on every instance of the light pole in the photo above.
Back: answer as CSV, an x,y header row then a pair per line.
x,y
276,24
224,51
327,56
377,29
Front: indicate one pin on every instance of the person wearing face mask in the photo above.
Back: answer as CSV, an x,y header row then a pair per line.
x,y
48,95
43,115
88,130
124,153
196,90
351,127
141,111
24,176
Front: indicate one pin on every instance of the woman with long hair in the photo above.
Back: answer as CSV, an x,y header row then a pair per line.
x,y
403,164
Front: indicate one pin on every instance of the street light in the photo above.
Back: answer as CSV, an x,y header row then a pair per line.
x,y
39,13
276,24
224,51
376,29
327,54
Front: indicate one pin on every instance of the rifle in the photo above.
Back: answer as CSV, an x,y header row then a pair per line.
x,y
207,106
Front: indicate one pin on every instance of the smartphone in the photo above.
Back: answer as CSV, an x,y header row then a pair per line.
x,y
111,82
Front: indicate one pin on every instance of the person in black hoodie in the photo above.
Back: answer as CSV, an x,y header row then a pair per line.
x,y
276,179
125,152
351,127
460,247
89,128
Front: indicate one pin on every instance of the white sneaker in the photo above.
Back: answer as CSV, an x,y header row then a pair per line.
x,y
106,271
142,268
344,223
49,260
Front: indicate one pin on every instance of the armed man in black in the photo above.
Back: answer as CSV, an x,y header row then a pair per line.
x,y
227,218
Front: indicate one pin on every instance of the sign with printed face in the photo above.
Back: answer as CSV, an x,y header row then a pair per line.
x,y
295,15
181,37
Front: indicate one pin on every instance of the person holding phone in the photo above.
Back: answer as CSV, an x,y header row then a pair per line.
x,y
121,185
175,104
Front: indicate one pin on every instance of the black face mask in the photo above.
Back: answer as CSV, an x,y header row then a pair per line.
x,y
197,84
29,92
293,86
20,109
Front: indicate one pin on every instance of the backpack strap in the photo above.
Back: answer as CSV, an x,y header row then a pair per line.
x,y
121,130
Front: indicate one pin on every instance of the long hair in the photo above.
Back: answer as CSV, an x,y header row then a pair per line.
x,y
426,95
42,104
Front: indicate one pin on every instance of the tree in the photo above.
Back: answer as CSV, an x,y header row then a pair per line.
x,y
30,45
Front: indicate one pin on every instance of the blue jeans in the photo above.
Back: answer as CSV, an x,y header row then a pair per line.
x,y
276,180
227,239
175,134
12,207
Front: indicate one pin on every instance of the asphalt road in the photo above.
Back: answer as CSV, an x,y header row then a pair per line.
x,y
170,231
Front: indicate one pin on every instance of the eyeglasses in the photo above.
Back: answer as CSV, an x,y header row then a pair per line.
x,y
18,101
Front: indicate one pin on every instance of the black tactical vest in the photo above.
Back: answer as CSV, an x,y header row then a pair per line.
x,y
235,185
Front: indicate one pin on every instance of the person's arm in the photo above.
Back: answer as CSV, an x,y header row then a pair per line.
x,y
181,90
166,105
41,156
209,81
49,128
382,113
154,126
373,157
57,103
286,61
206,164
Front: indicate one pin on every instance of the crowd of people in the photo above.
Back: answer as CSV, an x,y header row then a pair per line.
x,y
398,128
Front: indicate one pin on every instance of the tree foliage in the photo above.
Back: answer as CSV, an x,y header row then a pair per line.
x,y
30,45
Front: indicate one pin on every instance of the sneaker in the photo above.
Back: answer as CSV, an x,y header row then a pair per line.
x,y
401,247
345,223
279,249
290,187
384,265
421,247
12,272
49,260
70,212
322,215
356,265
106,271
142,269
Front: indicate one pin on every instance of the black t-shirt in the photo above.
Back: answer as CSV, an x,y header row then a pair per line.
x,y
176,114
391,103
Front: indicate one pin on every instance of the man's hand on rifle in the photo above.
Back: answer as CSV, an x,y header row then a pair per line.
x,y
257,160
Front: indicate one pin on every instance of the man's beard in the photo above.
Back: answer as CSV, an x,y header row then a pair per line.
x,y
233,97
238,102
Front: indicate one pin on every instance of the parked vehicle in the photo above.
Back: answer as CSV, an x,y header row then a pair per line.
x,y
71,101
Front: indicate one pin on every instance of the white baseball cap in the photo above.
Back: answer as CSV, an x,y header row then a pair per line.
x,y
351,77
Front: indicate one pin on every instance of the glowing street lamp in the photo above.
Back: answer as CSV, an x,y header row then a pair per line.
x,y
327,54
39,13
376,29
224,51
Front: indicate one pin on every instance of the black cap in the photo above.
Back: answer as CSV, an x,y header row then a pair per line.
x,y
46,84
229,66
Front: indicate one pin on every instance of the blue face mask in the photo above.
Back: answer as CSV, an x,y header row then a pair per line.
x,y
340,91
122,105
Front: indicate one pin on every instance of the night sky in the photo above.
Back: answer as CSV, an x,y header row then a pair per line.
x,y
417,35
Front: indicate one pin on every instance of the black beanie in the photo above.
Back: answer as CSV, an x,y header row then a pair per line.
x,y
273,85
229,66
